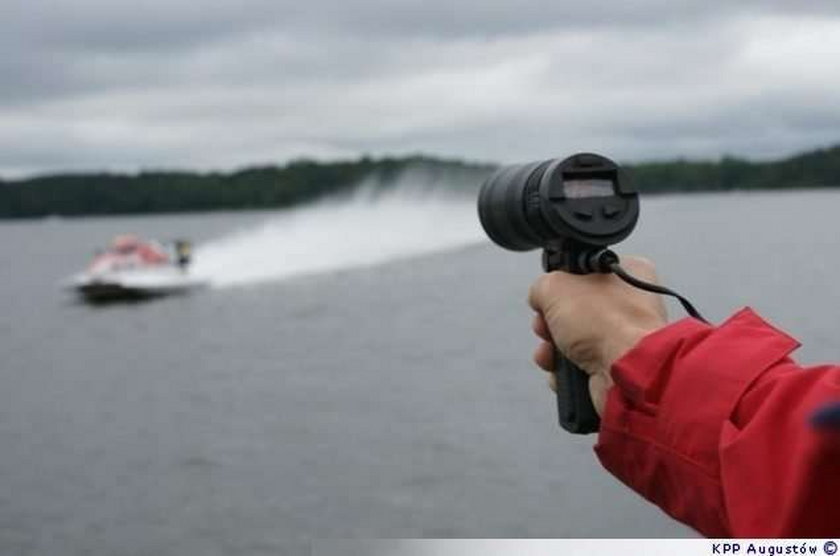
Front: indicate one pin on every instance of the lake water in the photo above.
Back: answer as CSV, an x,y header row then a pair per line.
x,y
359,369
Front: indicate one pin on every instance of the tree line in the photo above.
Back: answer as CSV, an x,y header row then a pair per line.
x,y
812,169
305,180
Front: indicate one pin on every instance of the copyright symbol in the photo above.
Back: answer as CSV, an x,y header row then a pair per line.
x,y
830,548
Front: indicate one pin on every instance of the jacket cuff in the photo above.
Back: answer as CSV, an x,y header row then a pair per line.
x,y
673,393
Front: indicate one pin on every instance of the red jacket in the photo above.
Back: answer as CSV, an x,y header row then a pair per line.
x,y
712,424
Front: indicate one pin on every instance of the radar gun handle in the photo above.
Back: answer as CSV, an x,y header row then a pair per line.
x,y
574,403
576,413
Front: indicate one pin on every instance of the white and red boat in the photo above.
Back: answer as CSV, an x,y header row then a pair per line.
x,y
133,268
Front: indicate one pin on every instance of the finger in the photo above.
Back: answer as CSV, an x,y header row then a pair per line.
x,y
540,327
598,387
545,290
552,382
544,356
539,292
534,295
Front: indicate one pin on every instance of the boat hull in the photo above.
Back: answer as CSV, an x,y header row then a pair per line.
x,y
134,286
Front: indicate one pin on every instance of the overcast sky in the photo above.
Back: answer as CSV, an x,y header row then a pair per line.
x,y
217,84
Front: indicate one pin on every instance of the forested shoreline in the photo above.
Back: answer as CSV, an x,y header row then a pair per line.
x,y
305,180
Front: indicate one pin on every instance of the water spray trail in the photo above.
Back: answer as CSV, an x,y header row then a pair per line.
x,y
367,228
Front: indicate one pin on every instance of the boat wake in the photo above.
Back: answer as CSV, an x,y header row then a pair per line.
x,y
369,227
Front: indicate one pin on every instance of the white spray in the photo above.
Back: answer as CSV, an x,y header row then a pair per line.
x,y
373,225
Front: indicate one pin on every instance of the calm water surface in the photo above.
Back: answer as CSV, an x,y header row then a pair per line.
x,y
390,401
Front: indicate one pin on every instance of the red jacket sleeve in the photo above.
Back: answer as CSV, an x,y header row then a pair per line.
x,y
712,425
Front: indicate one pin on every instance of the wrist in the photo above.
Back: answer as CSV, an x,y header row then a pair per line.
x,y
625,338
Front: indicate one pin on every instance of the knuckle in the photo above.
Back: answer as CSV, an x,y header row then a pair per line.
x,y
540,290
536,358
534,293
641,266
538,325
583,352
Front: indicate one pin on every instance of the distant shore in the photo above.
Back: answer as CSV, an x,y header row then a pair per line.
x,y
301,181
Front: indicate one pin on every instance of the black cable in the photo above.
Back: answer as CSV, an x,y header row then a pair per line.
x,y
654,288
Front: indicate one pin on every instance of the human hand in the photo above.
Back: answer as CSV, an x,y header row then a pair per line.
x,y
593,320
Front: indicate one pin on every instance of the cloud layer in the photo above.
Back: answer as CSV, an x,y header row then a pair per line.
x,y
96,84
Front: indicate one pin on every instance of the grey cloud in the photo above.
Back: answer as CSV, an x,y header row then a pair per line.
x,y
165,24
96,83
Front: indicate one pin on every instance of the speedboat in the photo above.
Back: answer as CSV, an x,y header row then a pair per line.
x,y
132,269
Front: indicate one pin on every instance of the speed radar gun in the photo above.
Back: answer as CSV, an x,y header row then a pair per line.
x,y
574,209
